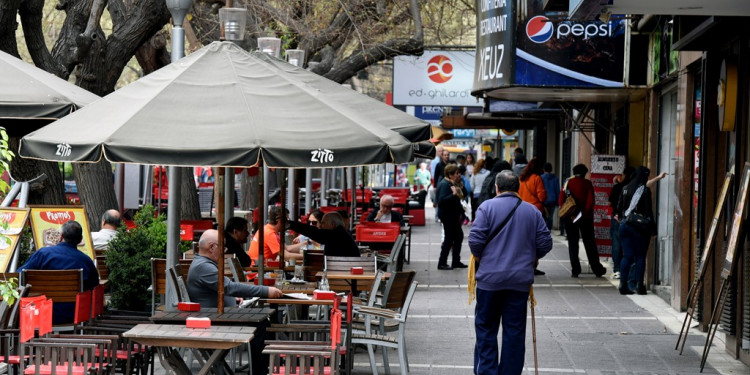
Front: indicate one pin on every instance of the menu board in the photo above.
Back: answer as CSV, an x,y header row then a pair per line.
x,y
46,222
603,170
12,221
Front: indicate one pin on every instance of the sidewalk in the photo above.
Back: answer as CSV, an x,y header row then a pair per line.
x,y
583,326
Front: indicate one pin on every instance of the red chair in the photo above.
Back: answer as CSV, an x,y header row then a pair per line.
x,y
377,232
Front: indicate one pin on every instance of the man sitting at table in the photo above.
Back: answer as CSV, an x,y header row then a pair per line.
x,y
271,242
65,256
110,222
386,213
235,235
203,277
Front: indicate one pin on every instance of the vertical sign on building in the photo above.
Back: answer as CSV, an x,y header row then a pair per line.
x,y
604,168
495,44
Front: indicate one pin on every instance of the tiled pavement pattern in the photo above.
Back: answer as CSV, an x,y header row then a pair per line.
x,y
583,326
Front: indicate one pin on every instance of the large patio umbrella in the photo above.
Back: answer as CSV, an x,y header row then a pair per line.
x,y
222,106
31,98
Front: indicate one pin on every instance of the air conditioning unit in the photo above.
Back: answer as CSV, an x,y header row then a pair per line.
x,y
587,10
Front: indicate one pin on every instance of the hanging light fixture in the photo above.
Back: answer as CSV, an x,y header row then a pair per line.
x,y
295,57
233,21
270,45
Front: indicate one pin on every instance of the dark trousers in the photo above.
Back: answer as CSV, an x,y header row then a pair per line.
x,y
584,227
634,249
454,235
614,234
474,206
494,307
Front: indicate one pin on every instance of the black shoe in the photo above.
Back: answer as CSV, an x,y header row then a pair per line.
x,y
444,267
459,265
574,275
539,273
604,270
626,292
641,290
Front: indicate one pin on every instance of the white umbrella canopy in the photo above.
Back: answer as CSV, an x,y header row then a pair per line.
x,y
223,106
31,98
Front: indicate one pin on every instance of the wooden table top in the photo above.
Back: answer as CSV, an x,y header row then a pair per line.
x,y
169,335
232,316
343,275
295,301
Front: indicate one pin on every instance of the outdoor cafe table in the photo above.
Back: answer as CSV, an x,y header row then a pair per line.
x,y
165,337
232,316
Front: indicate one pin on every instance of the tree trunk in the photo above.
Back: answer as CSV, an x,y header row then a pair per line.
x,y
249,191
189,205
96,189
47,190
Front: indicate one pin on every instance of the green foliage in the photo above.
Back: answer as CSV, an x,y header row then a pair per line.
x,y
129,259
8,290
26,246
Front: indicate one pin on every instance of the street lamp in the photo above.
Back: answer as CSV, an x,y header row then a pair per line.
x,y
270,45
295,57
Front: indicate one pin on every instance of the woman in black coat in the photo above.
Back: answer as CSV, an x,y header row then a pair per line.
x,y
635,200
332,233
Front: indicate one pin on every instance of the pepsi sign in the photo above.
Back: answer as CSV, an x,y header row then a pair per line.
x,y
539,29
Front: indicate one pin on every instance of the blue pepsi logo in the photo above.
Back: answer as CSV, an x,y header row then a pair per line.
x,y
539,29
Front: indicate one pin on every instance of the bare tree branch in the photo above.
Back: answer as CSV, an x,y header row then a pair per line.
x,y
31,19
8,26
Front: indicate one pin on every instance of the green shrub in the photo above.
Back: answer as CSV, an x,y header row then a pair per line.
x,y
129,259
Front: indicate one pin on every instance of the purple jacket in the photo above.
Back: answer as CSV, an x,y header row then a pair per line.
x,y
507,261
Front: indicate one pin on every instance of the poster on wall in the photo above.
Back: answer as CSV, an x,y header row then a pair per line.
x,y
604,168
46,222
12,221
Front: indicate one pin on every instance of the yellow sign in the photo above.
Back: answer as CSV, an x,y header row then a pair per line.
x,y
12,221
46,222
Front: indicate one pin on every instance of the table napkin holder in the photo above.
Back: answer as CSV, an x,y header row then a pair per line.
x,y
198,322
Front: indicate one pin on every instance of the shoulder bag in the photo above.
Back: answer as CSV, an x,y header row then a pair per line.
x,y
640,222
569,208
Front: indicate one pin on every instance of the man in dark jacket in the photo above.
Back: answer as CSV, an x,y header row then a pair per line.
x,y
450,211
235,235
65,256
488,186
508,256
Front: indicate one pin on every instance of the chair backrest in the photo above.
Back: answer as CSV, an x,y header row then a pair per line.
x,y
23,291
101,266
158,280
97,301
176,279
312,263
57,285
408,300
238,273
397,288
344,264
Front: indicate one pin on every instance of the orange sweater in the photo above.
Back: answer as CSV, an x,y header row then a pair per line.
x,y
532,191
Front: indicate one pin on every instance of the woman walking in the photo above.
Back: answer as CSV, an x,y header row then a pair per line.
x,y
636,228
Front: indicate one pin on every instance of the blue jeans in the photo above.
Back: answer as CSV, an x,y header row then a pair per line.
x,y
614,233
634,248
508,306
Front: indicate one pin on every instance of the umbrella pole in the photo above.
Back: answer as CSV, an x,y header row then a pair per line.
x,y
261,222
220,181
173,226
282,231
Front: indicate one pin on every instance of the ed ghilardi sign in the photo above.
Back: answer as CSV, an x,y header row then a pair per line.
x,y
437,78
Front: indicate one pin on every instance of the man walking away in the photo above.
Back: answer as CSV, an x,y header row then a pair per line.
x,y
507,239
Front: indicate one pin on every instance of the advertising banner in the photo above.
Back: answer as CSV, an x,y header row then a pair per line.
x,y
46,222
12,221
437,78
604,168
518,44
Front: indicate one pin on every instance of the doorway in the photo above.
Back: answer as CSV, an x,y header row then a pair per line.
x,y
665,188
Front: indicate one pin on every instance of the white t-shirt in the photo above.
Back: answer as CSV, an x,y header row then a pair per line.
x,y
101,238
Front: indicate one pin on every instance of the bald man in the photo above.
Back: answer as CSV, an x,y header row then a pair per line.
x,y
110,223
386,214
203,277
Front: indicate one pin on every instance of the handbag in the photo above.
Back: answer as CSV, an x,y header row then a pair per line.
x,y
640,222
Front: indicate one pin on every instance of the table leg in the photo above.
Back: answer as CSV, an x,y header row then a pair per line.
x,y
216,356
349,311
172,361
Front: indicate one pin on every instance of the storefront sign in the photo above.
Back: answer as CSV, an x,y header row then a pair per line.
x,y
603,170
12,221
496,24
437,78
46,222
